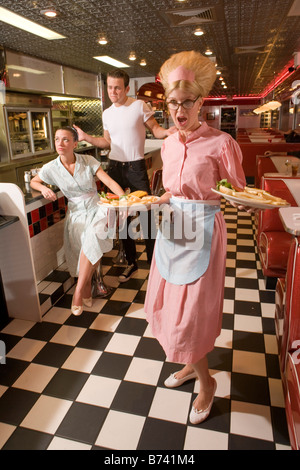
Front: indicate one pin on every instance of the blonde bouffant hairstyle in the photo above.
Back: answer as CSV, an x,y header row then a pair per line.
x,y
203,68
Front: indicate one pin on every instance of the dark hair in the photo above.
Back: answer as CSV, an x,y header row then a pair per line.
x,y
69,129
118,73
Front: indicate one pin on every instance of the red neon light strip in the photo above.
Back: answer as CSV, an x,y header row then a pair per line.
x,y
280,78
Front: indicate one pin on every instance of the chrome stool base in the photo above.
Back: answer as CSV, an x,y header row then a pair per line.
x,y
99,289
120,259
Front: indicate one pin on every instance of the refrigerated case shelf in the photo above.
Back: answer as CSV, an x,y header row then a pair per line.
x,y
29,131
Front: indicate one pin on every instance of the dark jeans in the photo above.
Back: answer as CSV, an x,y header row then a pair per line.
x,y
133,175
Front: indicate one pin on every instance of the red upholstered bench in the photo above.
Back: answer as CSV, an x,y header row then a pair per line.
x,y
273,241
292,400
250,150
265,164
287,320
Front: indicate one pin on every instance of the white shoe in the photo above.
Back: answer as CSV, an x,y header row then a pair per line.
x,y
76,310
172,382
197,416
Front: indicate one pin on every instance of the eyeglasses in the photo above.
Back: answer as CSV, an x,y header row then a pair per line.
x,y
186,104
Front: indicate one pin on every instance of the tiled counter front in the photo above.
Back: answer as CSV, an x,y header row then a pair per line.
x,y
46,225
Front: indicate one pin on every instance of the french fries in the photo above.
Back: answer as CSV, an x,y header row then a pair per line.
x,y
261,195
251,194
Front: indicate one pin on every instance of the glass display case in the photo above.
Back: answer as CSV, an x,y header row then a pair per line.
x,y
29,131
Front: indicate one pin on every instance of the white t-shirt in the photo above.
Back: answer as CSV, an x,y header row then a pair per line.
x,y
126,128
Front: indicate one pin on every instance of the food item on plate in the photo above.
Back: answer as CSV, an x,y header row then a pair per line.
x,y
139,193
147,199
227,188
137,197
250,194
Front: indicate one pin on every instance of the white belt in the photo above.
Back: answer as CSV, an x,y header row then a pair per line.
x,y
82,197
210,202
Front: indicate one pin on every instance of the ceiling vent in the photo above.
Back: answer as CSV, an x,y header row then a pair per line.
x,y
190,16
251,49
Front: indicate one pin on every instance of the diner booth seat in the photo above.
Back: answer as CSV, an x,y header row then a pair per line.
x,y
273,241
250,150
266,164
287,321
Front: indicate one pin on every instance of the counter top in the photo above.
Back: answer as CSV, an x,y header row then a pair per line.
x,y
290,217
32,196
20,162
6,220
152,144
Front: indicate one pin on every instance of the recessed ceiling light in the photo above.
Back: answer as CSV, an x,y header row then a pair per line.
x,y
20,22
109,60
208,52
132,56
143,63
50,13
102,40
198,32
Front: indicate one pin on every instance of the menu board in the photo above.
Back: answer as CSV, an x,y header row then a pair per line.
x,y
29,73
80,83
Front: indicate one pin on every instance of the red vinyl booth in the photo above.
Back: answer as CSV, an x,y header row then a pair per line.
x,y
273,241
250,150
264,164
287,320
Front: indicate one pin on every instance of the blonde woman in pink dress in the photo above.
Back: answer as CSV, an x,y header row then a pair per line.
x,y
184,300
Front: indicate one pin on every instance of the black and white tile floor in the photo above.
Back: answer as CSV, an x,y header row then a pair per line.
x,y
96,381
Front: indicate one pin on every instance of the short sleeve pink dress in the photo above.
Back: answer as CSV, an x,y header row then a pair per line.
x,y
186,319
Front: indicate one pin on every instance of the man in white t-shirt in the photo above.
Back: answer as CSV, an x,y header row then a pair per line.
x,y
124,124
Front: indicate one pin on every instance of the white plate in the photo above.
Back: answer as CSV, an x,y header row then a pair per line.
x,y
249,202
135,206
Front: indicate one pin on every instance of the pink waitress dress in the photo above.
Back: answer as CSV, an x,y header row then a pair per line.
x,y
186,319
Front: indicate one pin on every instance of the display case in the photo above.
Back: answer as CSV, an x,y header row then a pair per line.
x,y
29,131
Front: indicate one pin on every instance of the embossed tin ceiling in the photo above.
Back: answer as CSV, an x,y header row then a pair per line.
x,y
251,39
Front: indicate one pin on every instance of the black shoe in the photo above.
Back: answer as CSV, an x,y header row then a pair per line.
x,y
128,273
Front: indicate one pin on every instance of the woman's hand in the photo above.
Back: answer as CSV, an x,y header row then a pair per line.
x,y
250,210
37,184
164,199
47,193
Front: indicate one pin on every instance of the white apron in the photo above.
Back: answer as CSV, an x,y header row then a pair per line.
x,y
182,248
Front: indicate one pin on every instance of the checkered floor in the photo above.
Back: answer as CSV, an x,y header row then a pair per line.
x,y
96,381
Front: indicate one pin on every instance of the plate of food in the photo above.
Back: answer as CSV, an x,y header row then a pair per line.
x,y
139,200
249,197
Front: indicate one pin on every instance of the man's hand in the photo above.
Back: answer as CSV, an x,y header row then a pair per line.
x,y
81,134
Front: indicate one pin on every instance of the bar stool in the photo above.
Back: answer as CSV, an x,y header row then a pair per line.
x,y
99,288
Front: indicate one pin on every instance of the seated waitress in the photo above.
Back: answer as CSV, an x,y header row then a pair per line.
x,y
85,235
